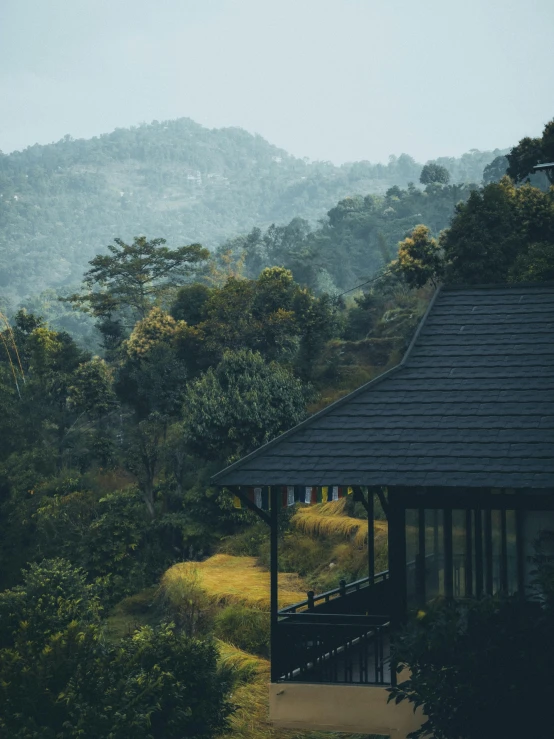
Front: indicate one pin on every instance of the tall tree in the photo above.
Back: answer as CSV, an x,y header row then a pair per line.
x,y
529,152
132,278
419,258
495,170
434,173
241,404
491,235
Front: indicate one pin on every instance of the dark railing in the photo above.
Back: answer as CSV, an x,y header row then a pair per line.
x,y
344,589
340,636
333,648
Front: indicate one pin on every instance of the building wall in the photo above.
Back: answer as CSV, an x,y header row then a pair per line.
x,y
347,708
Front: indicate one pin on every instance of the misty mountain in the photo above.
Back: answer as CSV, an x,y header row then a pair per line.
x,y
62,203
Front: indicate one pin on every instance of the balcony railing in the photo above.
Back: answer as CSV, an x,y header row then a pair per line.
x,y
333,648
344,589
340,636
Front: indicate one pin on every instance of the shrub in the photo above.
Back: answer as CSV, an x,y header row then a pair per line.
x,y
60,679
247,543
111,537
480,669
183,600
244,627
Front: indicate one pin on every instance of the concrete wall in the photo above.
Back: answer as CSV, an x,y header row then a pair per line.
x,y
361,709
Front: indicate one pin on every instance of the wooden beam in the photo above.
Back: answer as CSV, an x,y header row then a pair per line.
x,y
503,553
448,558
384,502
371,535
368,504
488,551
478,553
520,564
469,555
248,503
359,497
420,559
397,561
274,581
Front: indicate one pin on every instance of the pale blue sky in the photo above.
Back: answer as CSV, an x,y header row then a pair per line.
x,y
338,80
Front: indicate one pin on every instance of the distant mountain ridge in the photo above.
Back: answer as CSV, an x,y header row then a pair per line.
x,y
62,203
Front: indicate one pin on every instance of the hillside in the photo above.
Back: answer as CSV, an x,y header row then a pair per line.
x,y
62,203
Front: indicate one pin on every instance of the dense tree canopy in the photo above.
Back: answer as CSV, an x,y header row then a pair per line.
x,y
105,460
241,404
128,281
358,238
469,669
433,173
60,203
531,151
419,259
496,235
60,679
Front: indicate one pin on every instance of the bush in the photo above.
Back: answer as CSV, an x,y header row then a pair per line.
x,y
111,537
481,669
182,600
249,542
60,679
244,628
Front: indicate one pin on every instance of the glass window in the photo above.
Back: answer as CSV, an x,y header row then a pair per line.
x,y
496,549
511,551
459,551
412,551
434,554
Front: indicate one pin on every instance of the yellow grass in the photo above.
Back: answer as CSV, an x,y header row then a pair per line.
x,y
328,519
251,698
242,661
228,579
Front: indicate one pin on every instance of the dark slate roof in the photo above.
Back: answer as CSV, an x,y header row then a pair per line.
x,y
471,404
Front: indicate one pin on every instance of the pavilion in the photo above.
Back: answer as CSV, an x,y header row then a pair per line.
x,y
457,442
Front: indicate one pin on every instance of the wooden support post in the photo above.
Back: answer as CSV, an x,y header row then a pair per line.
x,y
371,535
448,558
396,515
519,552
369,505
397,561
421,559
503,553
274,574
478,554
469,556
488,551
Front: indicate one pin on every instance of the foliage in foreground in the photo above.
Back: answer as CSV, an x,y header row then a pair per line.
x,y
480,670
59,679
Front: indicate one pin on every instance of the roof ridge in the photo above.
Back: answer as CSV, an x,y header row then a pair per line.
x,y
324,411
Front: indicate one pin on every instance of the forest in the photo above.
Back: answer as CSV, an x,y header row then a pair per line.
x,y
133,595
62,203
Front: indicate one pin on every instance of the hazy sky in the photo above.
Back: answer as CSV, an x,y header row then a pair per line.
x,y
337,80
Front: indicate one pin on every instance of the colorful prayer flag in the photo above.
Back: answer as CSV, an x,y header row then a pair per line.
x,y
258,497
290,495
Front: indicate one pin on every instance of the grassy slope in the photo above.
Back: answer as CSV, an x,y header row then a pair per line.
x,y
240,579
228,579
